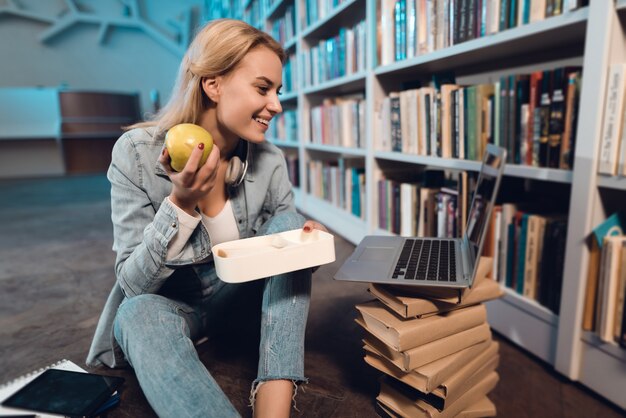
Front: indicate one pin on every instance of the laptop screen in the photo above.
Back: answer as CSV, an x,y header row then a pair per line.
x,y
483,200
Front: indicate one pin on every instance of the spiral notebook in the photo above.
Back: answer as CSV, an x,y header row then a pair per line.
x,y
8,389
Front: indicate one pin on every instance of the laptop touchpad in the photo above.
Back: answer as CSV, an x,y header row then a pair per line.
x,y
377,254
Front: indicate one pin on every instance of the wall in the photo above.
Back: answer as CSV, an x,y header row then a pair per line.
x,y
124,59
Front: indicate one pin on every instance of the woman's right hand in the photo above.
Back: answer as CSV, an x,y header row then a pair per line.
x,y
191,184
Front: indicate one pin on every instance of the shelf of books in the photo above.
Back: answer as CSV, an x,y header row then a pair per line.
x,y
436,54
592,332
392,115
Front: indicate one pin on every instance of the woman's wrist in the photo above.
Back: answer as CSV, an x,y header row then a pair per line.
x,y
189,208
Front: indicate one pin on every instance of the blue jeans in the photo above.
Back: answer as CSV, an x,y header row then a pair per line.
x,y
156,333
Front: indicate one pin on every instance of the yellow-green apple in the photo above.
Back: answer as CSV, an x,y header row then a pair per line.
x,y
181,140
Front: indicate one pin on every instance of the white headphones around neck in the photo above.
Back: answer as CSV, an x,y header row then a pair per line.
x,y
236,169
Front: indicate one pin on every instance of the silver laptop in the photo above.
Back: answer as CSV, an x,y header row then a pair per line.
x,y
434,262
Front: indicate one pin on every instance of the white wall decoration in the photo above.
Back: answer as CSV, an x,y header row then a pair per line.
x,y
132,18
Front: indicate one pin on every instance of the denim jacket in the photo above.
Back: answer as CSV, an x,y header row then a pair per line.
x,y
144,222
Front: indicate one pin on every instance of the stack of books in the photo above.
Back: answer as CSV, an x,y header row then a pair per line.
x,y
435,350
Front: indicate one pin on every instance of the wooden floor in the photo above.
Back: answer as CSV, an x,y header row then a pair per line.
x,y
56,268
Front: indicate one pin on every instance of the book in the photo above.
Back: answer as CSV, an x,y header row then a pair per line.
x,y
520,261
592,286
609,284
569,129
557,116
552,264
429,376
412,306
464,375
621,328
442,399
612,226
427,353
446,119
621,293
479,409
543,119
534,245
401,401
613,111
403,334
508,210
11,387
409,209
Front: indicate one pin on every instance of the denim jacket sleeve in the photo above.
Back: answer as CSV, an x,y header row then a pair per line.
x,y
282,191
142,228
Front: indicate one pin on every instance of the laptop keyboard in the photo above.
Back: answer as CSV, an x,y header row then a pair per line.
x,y
427,260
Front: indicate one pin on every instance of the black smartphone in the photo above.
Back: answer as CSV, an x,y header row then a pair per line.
x,y
64,392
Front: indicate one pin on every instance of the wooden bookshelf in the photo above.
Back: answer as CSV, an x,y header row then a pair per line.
x,y
602,368
557,32
579,356
276,8
91,122
327,25
526,323
289,98
67,132
594,35
513,170
284,144
291,44
337,219
343,85
342,152
538,173
298,196
617,183
435,162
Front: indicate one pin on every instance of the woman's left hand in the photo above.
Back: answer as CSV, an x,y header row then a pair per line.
x,y
309,226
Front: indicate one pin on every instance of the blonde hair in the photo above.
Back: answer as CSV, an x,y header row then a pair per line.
x,y
216,50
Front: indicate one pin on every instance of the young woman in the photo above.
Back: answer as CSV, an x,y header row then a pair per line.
x,y
167,294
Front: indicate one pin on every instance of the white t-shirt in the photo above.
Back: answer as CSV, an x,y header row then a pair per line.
x,y
221,228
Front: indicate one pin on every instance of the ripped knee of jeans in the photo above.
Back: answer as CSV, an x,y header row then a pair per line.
x,y
256,385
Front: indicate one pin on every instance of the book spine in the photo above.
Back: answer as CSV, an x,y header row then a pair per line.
x,y
504,13
503,116
521,254
411,30
512,146
568,128
555,130
612,114
560,232
396,128
544,121
621,289
510,257
621,336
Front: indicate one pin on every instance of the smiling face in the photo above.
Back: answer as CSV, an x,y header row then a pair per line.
x,y
246,99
